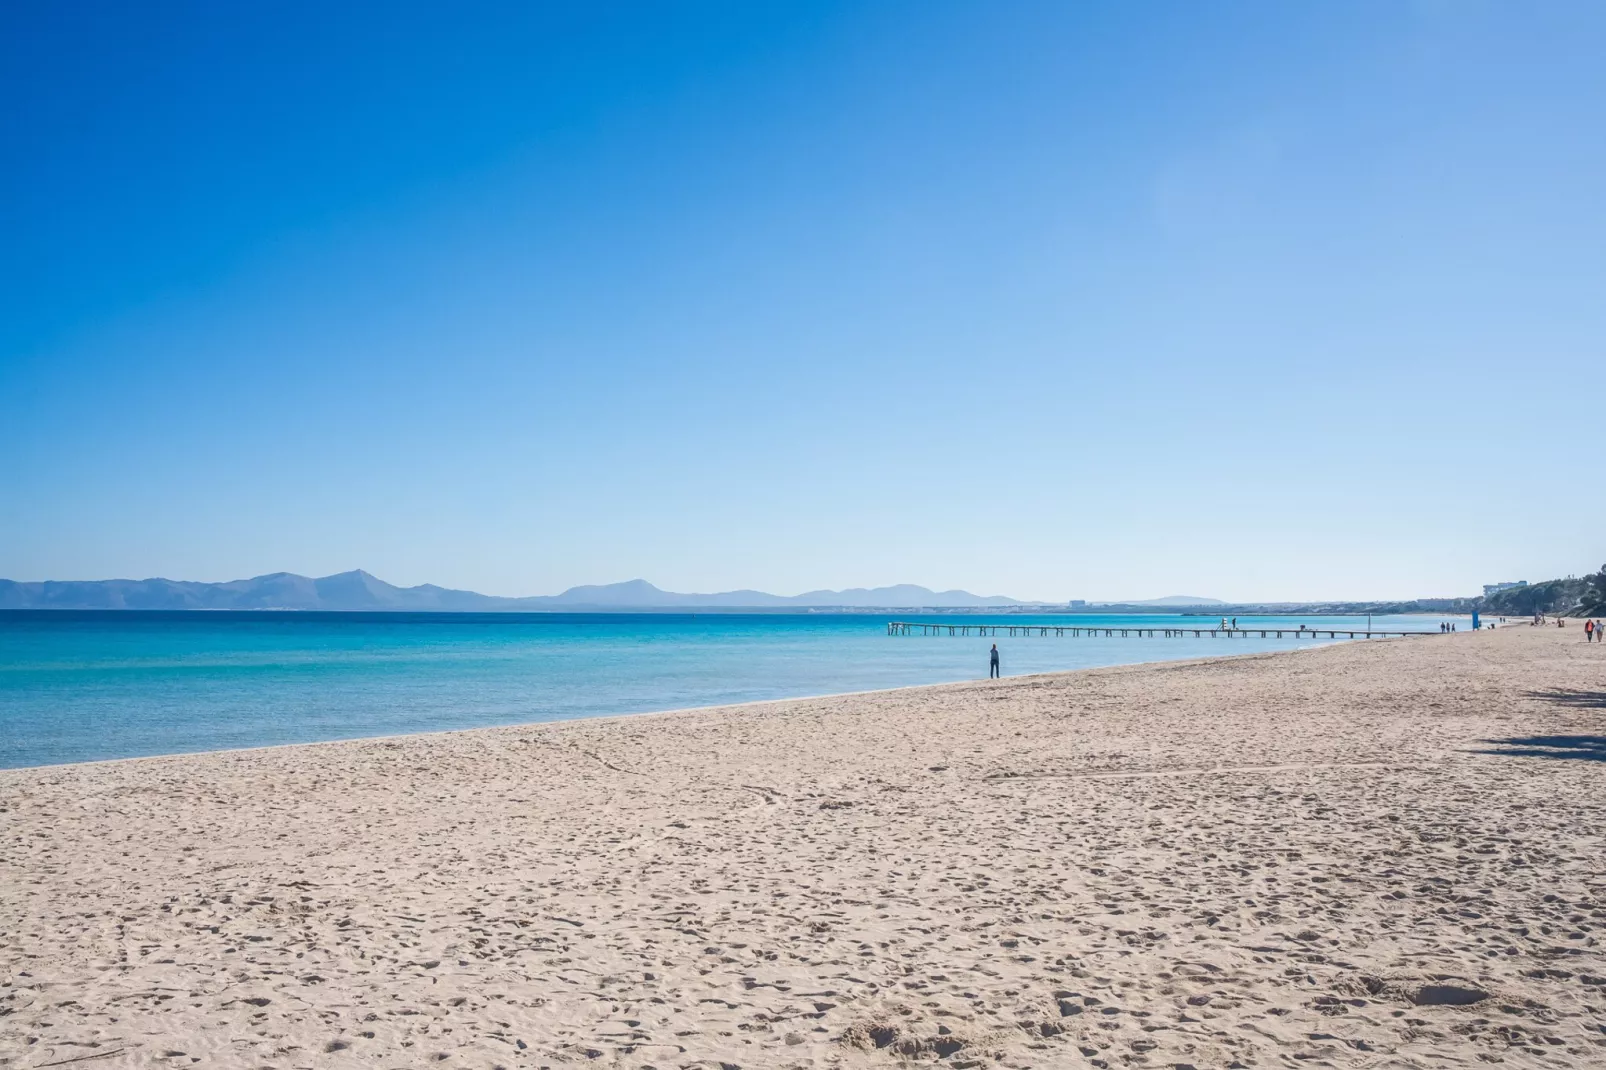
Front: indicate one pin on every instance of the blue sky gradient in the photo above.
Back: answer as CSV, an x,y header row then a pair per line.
x,y
1099,301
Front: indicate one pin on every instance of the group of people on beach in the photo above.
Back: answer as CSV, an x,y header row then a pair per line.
x,y
1594,628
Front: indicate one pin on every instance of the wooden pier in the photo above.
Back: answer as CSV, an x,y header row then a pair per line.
x,y
904,627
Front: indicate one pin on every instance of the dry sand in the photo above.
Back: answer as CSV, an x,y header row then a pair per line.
x,y
1298,859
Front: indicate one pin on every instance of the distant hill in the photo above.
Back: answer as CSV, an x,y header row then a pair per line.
x,y
1179,600
358,591
278,590
1580,596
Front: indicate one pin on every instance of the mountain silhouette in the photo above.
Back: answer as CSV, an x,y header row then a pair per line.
x,y
357,591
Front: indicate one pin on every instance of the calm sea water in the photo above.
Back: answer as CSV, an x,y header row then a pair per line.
x,y
83,686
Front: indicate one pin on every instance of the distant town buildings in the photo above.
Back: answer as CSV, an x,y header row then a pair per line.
x,y
1491,588
1077,603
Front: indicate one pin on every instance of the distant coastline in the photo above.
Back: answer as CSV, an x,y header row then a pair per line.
x,y
360,592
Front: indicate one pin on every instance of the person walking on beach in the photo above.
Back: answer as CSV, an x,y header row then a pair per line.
x,y
992,668
1589,631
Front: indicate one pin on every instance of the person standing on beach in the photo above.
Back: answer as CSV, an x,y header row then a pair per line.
x,y
1589,631
992,668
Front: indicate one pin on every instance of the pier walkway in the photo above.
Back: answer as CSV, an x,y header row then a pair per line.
x,y
904,627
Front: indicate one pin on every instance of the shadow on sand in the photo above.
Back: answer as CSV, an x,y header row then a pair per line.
x,y
1588,700
1578,748
1585,748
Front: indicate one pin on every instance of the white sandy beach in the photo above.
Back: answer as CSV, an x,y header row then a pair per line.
x,y
1307,859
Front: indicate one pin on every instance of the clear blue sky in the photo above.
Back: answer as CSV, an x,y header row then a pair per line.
x,y
1261,300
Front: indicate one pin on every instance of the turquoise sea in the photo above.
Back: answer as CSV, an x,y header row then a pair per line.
x,y
80,686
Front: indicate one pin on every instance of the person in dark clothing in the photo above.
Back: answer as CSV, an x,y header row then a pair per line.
x,y
992,669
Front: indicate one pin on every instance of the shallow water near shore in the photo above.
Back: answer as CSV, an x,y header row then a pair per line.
x,y
87,686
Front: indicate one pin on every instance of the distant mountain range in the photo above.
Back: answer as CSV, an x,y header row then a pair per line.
x,y
1178,600
358,591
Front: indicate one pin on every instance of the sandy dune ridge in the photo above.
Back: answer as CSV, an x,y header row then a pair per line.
x,y
1386,853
